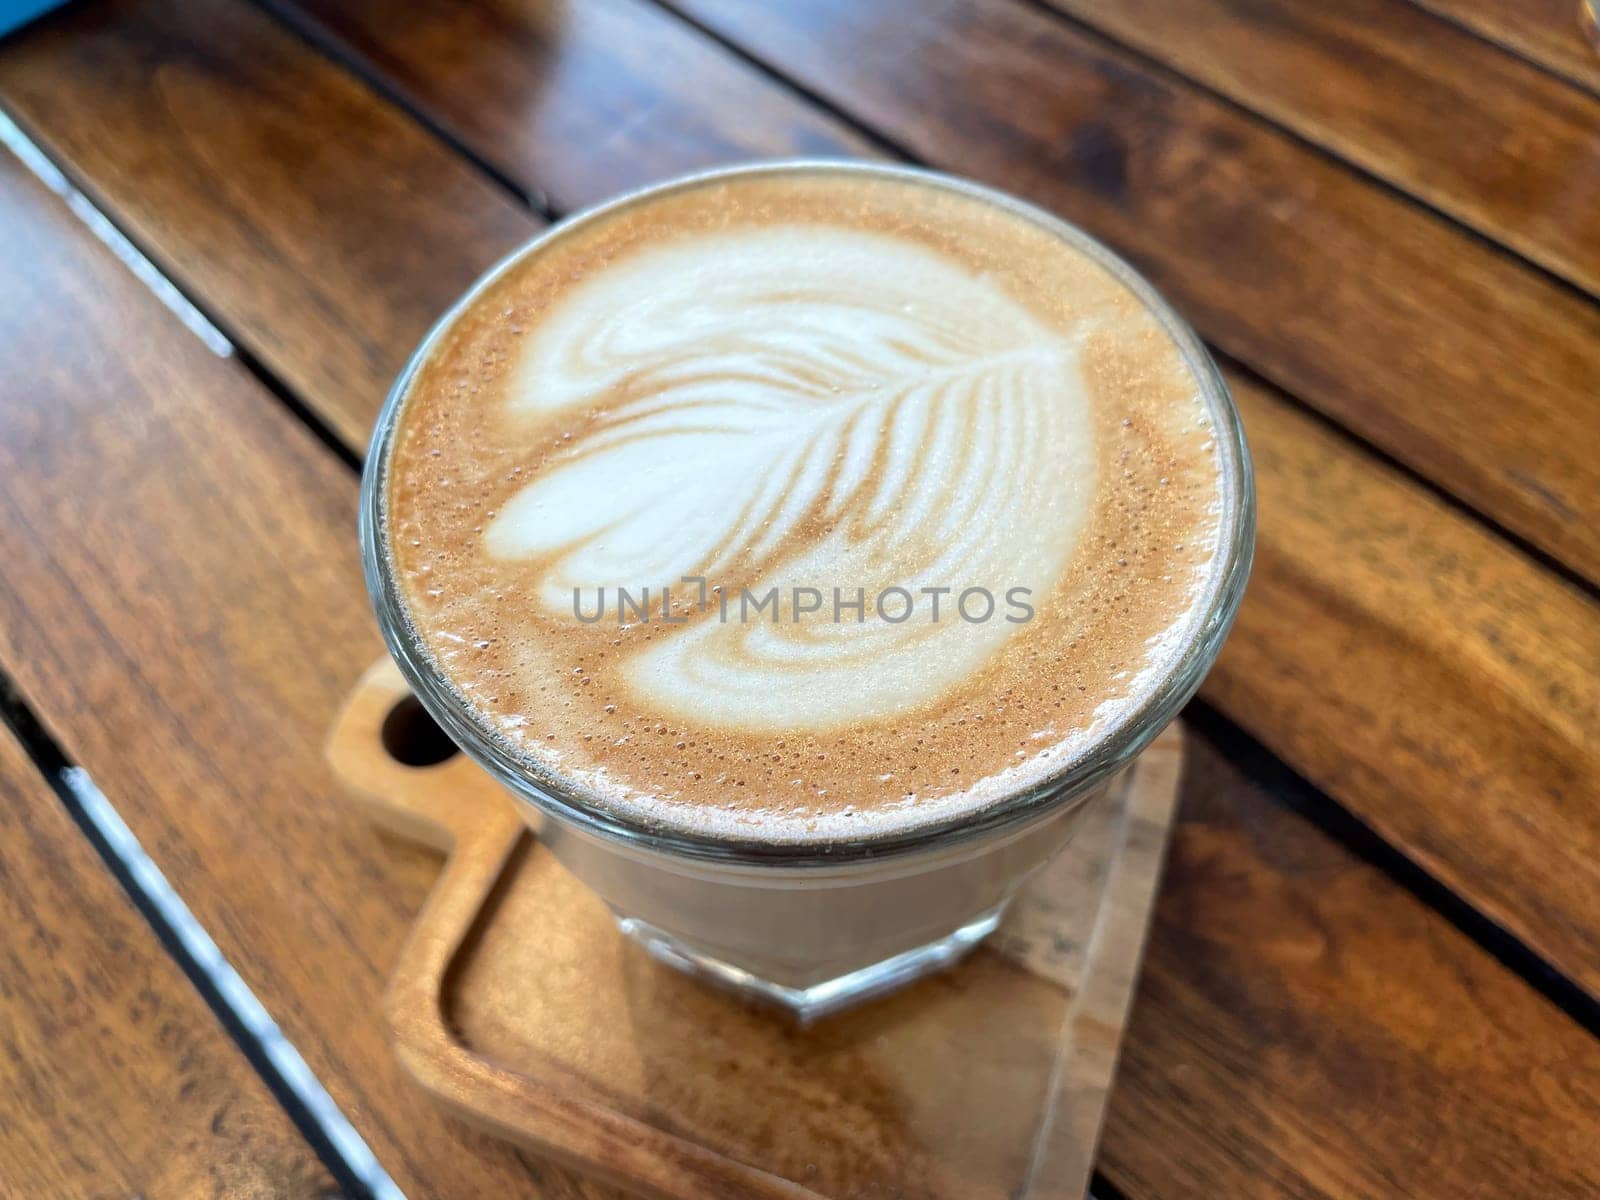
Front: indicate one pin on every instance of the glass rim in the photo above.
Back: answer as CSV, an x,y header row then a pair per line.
x,y
547,792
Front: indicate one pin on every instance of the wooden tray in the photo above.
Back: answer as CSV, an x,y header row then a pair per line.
x,y
519,1005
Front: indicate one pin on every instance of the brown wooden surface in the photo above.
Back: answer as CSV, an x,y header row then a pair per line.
x,y
1428,676
1433,1070
1492,140
183,608
577,101
116,1079
1307,1028
1340,662
230,152
1448,353
1549,32
304,898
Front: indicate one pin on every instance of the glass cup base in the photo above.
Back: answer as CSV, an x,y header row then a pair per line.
x,y
811,1003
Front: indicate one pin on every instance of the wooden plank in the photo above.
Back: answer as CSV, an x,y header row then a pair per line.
x,y
1342,671
183,607
1371,1050
1550,32
116,1078
1457,359
643,95
1492,140
231,152
1429,676
188,626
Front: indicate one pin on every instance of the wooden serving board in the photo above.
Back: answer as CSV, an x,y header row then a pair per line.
x,y
519,1005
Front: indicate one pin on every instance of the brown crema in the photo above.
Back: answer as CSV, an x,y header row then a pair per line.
x,y
1048,410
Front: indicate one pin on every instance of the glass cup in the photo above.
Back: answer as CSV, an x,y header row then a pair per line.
x,y
817,928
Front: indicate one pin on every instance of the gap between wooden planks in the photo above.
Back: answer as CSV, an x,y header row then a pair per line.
x,y
116,1077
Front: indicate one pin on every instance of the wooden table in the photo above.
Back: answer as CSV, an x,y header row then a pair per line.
x,y
1375,968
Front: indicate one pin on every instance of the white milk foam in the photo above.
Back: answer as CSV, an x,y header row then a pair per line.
x,y
787,385
814,408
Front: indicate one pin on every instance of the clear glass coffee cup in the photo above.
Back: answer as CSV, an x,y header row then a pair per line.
x,y
815,928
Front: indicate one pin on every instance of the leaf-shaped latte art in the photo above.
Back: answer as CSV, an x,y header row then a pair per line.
x,y
811,408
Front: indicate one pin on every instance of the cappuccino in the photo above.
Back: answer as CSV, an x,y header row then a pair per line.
x,y
804,507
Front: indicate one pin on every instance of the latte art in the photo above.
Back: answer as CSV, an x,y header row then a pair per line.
x,y
799,407
820,391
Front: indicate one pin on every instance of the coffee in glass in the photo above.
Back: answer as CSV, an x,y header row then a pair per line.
x,y
804,545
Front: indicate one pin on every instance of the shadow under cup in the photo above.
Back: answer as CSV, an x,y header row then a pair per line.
x,y
815,928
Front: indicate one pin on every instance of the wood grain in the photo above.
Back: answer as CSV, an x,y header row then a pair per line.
x,y
1428,675
183,608
1346,659
1371,1051
1550,32
1457,359
116,1078
288,653
231,153
202,603
576,102
1482,135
